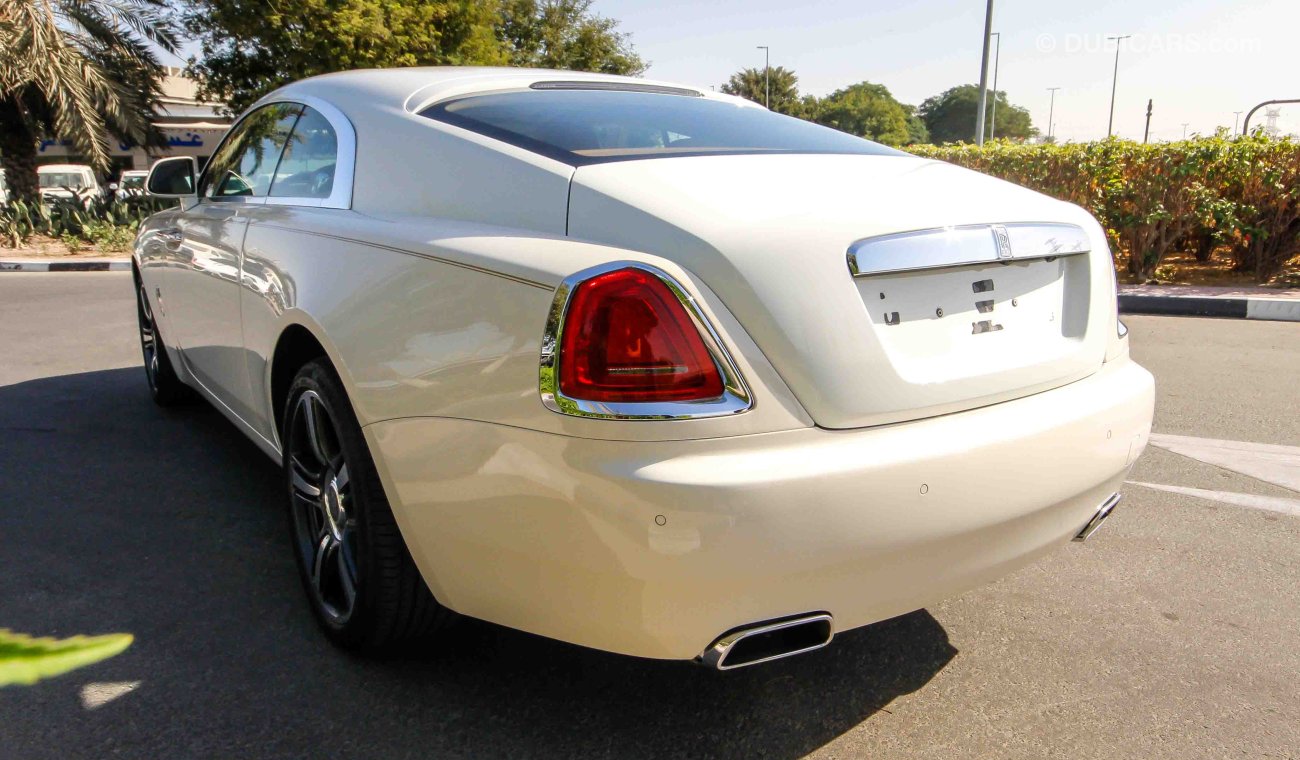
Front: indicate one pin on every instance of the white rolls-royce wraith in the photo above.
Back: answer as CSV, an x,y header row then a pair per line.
x,y
634,365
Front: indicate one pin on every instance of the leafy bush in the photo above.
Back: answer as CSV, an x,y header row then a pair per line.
x,y
73,242
110,237
111,225
1243,192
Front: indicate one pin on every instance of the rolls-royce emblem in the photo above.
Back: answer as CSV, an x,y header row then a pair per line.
x,y
1003,241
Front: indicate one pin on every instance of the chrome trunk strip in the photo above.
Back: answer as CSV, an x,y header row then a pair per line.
x,y
963,246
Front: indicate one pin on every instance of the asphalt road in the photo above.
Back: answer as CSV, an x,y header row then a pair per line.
x,y
1173,633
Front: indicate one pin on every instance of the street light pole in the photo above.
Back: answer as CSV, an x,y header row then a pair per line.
x,y
1051,111
1235,116
1185,124
1114,82
984,76
993,118
767,76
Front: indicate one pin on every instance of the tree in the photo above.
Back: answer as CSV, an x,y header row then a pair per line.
x,y
917,132
564,34
950,116
751,84
868,110
80,70
250,47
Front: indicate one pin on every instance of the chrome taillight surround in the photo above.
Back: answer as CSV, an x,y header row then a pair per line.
x,y
735,399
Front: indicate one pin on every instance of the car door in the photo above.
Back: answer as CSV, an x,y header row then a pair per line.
x,y
308,182
204,281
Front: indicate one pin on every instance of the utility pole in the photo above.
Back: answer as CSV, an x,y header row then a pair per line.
x,y
984,76
1051,111
1185,130
1147,132
993,118
1114,82
1235,116
767,76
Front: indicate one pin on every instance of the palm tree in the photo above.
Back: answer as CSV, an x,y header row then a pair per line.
x,y
750,84
80,70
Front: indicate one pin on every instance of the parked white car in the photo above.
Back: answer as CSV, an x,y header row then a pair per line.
x,y
129,185
634,365
68,181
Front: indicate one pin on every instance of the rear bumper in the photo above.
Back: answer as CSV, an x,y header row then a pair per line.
x,y
654,549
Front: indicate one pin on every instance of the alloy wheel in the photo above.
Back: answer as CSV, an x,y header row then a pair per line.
x,y
324,519
148,339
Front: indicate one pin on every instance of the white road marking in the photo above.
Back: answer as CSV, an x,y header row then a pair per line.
x,y
95,695
1270,503
1279,465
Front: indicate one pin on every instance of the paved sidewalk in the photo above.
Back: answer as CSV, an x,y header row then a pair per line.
x,y
1196,301
64,264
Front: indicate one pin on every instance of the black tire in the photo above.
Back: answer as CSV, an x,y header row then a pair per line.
x,y
165,387
359,577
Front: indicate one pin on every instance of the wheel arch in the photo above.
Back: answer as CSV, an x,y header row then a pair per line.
x,y
295,347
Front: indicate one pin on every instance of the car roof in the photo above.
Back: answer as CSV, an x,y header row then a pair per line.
x,y
62,168
415,88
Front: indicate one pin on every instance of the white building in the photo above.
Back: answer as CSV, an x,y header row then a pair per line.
x,y
191,127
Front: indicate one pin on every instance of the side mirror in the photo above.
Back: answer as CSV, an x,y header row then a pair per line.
x,y
173,177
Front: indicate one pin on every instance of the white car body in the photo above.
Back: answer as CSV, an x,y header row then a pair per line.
x,y
876,452
68,181
130,184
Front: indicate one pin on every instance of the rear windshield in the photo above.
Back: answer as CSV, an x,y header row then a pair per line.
x,y
594,126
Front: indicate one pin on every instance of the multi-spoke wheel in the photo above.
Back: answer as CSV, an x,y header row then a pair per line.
x,y
359,577
164,386
325,531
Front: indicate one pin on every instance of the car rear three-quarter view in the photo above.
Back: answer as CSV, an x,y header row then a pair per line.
x,y
632,365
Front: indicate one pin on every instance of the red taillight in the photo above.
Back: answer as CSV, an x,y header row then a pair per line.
x,y
626,337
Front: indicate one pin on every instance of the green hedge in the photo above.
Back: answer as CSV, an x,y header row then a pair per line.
x,y
1239,193
78,219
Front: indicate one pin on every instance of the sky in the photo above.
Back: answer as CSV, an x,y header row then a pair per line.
x,y
1200,60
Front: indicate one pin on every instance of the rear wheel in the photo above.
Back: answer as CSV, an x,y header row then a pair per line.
x,y
164,385
360,579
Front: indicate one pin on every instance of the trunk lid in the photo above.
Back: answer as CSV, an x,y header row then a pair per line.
x,y
968,290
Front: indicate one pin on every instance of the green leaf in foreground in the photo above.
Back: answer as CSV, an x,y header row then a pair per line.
x,y
26,660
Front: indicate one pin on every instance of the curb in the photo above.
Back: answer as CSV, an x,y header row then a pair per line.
x,y
65,266
1273,309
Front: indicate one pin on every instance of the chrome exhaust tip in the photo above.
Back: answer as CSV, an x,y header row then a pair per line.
x,y
764,642
1103,512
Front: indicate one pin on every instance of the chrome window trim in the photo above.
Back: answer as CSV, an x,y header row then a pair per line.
x,y
964,245
200,187
344,168
735,397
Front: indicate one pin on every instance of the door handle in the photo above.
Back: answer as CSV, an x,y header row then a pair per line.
x,y
172,237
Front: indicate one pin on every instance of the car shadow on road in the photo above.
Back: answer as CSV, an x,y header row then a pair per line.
x,y
118,516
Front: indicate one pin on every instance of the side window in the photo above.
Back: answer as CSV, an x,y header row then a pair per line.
x,y
307,168
245,163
